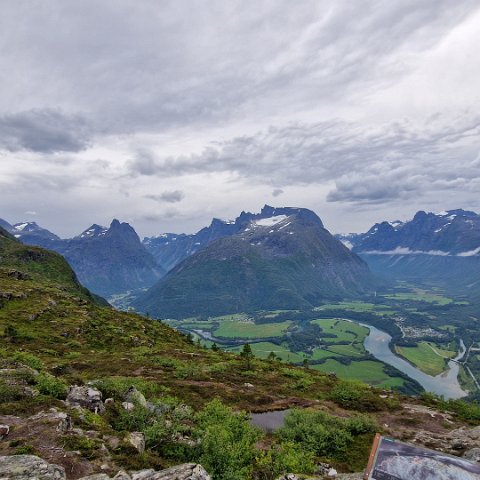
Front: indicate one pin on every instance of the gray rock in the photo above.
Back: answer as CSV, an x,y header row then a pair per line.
x,y
122,475
128,406
86,397
137,441
97,476
143,474
4,431
135,397
186,471
28,467
472,454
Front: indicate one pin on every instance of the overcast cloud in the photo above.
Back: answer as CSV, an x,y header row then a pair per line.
x,y
165,114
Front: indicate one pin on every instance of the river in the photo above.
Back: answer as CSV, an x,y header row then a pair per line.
x,y
446,384
377,343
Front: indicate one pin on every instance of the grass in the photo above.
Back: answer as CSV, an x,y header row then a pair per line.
x,y
263,349
247,329
420,296
368,371
319,353
358,306
343,330
424,357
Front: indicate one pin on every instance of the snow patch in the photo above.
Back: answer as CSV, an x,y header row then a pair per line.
x,y
21,226
347,243
271,221
471,253
407,251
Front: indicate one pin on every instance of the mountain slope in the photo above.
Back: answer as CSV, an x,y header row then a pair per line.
x,y
169,249
284,260
106,260
435,248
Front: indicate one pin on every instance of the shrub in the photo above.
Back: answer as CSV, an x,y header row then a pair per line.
x,y
227,442
28,359
357,396
49,385
284,458
9,393
116,387
317,432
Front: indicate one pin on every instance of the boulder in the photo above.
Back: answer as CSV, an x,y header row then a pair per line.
x,y
473,454
135,397
28,467
97,476
128,406
186,471
137,441
4,431
86,397
122,475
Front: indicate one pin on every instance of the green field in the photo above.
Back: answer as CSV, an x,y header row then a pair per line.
x,y
368,371
343,330
248,329
263,349
319,353
420,296
358,306
425,358
353,350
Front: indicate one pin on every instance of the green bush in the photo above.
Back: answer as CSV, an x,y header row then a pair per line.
x,y
324,435
317,432
136,420
88,447
355,395
116,387
28,359
49,385
227,442
287,457
9,393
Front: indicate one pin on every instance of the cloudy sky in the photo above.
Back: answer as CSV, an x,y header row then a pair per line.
x,y
168,113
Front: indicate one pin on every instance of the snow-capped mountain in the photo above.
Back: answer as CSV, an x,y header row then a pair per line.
x,y
436,248
107,260
279,258
454,232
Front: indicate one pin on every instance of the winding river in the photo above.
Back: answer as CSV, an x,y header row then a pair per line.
x,y
377,343
446,384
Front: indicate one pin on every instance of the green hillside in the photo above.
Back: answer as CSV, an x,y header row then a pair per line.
x,y
55,334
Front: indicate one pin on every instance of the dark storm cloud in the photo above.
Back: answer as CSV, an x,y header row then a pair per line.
x,y
277,192
43,131
169,197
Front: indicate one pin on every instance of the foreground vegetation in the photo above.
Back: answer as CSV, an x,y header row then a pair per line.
x,y
55,334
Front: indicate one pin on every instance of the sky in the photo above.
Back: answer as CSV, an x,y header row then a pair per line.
x,y
165,114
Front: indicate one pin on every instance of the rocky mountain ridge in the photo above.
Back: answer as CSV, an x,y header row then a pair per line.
x,y
280,258
441,249
107,260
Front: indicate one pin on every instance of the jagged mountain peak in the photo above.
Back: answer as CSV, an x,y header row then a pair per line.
x,y
169,249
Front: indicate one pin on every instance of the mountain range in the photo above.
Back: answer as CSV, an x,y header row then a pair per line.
x,y
107,261
299,261
280,258
440,248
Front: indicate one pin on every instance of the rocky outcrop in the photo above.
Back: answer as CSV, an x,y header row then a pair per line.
x,y
136,397
455,442
28,467
137,441
186,471
86,397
